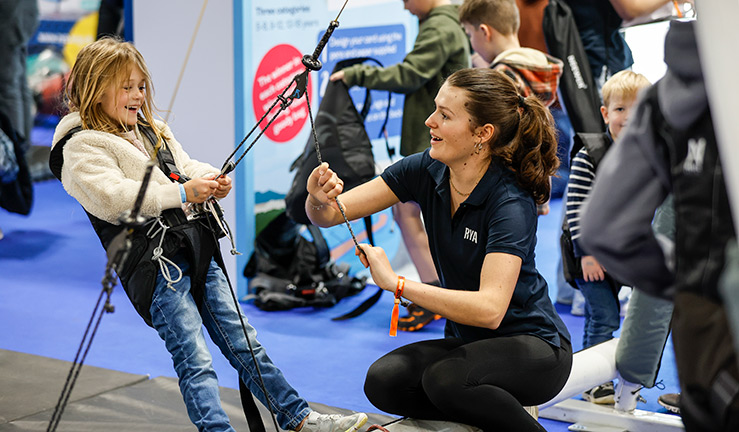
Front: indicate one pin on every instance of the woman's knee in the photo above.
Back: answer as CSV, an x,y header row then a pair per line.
x,y
386,375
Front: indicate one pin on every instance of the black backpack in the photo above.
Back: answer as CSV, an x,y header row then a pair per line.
x,y
288,270
597,145
343,142
577,84
17,195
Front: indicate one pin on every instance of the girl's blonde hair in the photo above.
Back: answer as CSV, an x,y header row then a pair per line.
x,y
104,63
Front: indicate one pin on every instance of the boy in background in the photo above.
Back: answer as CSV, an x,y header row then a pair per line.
x,y
492,26
599,289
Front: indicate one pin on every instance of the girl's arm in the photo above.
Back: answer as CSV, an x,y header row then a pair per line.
x,y
324,185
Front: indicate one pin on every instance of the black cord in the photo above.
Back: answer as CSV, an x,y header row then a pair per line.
x,y
251,350
285,101
74,371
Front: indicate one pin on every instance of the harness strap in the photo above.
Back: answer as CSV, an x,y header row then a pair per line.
x,y
56,156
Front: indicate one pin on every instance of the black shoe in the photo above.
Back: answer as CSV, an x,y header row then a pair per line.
x,y
602,394
671,401
417,318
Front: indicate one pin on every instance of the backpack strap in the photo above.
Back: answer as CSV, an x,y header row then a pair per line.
x,y
368,229
164,157
597,145
368,101
322,251
362,308
56,156
251,412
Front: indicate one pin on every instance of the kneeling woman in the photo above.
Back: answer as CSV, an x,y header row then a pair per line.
x,y
492,152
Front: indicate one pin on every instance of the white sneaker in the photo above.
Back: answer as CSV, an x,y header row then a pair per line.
x,y
316,422
578,304
624,295
533,410
626,395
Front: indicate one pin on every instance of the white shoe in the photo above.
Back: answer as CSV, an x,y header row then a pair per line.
x,y
624,295
533,410
578,304
316,422
626,395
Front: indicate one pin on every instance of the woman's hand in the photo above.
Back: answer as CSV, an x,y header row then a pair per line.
x,y
323,185
592,271
336,76
200,189
224,186
376,259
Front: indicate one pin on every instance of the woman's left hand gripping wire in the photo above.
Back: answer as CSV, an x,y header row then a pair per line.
x,y
379,265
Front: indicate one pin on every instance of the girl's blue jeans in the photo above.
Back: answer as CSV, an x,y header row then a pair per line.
x,y
179,322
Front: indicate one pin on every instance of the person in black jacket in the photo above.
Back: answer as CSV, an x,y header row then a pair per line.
x,y
18,22
670,147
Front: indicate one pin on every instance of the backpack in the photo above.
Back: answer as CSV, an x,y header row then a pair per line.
x,y
16,195
597,145
579,92
287,270
343,142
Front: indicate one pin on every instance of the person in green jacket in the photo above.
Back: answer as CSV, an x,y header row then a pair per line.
x,y
440,49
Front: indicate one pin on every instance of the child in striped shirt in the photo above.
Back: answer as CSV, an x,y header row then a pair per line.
x,y
599,289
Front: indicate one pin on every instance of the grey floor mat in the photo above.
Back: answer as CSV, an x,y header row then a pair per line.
x,y
112,401
30,384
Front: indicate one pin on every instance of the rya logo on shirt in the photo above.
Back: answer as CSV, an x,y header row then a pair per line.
x,y
470,235
694,161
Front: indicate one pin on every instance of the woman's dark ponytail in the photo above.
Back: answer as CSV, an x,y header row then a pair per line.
x,y
534,157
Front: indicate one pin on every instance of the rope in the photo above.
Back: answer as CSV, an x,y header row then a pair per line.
x,y
320,161
162,260
184,62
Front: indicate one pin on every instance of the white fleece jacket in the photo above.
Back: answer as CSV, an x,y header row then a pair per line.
x,y
103,172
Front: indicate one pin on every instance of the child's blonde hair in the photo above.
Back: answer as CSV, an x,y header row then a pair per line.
x,y
502,15
625,84
99,65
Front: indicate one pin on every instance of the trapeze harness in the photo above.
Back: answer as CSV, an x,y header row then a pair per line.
x,y
166,235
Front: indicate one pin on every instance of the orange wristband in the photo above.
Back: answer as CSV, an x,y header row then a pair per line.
x,y
396,306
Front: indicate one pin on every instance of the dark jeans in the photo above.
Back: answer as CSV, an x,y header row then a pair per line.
x,y
484,383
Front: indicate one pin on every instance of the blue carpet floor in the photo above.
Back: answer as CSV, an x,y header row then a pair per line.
x,y
51,265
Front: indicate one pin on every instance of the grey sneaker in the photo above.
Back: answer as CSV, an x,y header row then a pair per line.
x,y
316,422
602,394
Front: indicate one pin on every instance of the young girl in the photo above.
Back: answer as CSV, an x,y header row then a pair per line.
x,y
180,290
491,155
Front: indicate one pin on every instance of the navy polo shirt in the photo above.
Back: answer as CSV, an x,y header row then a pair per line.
x,y
498,216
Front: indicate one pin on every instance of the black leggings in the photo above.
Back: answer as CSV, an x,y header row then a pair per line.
x,y
484,383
